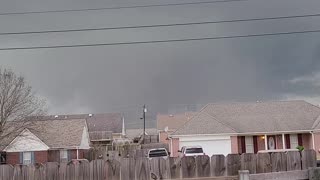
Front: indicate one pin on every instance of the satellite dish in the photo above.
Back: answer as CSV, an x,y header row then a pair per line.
x,y
166,129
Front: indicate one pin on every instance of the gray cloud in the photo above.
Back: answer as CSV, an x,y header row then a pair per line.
x,y
122,78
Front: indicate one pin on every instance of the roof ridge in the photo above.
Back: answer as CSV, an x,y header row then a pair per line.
x,y
257,102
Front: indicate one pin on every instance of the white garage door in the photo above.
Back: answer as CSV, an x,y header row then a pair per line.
x,y
211,147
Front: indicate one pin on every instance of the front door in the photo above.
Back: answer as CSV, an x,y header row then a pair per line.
x,y
272,143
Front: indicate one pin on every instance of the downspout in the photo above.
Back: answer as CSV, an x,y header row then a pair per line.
x,y
313,143
171,148
77,153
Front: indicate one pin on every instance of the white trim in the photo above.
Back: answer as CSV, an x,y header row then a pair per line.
x,y
266,142
247,133
26,133
77,153
313,144
283,142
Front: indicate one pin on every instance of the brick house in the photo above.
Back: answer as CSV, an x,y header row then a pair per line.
x,y
167,124
47,141
253,127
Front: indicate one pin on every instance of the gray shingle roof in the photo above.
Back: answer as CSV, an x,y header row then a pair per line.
x,y
54,133
96,122
173,121
253,117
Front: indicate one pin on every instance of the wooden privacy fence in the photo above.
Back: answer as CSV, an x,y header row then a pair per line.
x,y
171,168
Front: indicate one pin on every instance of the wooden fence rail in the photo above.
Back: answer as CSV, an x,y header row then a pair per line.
x,y
171,168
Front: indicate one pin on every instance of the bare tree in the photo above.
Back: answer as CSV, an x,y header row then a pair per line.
x,y
17,103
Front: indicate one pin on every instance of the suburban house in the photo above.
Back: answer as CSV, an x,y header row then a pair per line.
x,y
252,127
103,128
46,141
167,124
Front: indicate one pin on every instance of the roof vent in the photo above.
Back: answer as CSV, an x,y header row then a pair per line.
x,y
56,116
90,115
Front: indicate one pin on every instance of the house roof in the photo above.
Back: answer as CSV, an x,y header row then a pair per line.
x,y
133,133
96,122
54,133
273,116
105,122
173,121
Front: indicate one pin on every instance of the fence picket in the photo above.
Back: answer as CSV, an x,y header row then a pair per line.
x,y
188,165
248,162
218,165
175,167
171,168
233,164
279,162
263,163
309,159
293,161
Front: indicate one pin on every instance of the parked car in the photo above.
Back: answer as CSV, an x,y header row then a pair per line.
x,y
191,151
158,152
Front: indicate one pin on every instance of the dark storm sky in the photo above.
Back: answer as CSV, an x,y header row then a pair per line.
x,y
122,78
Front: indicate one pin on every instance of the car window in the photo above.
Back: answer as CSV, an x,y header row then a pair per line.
x,y
194,150
158,153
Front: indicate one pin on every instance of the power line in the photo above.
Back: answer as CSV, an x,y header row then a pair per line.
x,y
159,25
119,7
159,41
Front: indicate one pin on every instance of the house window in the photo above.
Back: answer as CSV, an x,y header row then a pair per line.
x,y
63,155
249,144
27,158
294,141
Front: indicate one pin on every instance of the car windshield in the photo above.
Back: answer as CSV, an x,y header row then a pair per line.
x,y
194,150
158,153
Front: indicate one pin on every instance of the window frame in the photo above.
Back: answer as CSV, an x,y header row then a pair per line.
x,y
26,160
63,155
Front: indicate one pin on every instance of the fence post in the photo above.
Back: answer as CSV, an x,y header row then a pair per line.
x,y
244,175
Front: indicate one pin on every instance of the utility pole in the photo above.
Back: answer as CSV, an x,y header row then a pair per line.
x,y
144,122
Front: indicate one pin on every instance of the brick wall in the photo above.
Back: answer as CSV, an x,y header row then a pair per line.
x,y
234,145
13,158
40,156
317,144
175,147
307,141
164,137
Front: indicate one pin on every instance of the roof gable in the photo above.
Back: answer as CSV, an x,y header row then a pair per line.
x,y
26,141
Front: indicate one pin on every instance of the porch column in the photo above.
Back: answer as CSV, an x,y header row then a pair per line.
x,y
77,153
265,142
283,142
313,145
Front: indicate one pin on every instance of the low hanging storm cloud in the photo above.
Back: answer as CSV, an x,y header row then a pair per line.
x,y
123,78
